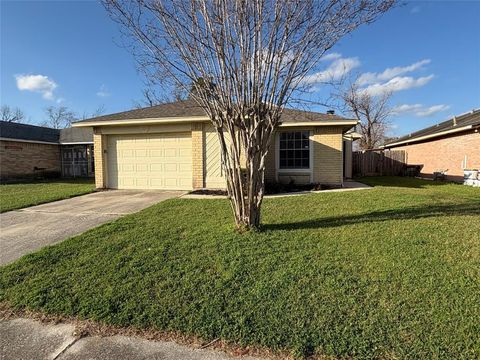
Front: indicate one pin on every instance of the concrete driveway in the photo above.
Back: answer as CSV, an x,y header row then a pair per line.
x,y
26,230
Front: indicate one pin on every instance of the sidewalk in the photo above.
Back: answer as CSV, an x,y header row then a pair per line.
x,y
29,339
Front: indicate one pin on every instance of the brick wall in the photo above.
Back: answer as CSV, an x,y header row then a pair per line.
x,y
445,153
327,155
99,145
327,159
270,162
19,159
197,156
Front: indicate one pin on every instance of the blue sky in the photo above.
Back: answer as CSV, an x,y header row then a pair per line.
x,y
67,52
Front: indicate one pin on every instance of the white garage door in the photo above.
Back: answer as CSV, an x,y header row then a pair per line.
x,y
150,161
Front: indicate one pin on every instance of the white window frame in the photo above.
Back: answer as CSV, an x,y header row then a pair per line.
x,y
308,170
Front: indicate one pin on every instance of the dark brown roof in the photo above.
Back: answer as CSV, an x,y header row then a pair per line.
x,y
189,108
470,118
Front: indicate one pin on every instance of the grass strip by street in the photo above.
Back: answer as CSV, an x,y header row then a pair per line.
x,y
21,195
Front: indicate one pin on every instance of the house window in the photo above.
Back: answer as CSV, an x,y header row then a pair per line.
x,y
294,150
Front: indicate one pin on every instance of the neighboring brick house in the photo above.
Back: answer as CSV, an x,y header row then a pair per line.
x,y
174,146
451,146
28,151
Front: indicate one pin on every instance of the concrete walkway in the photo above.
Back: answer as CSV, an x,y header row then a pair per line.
x,y
26,230
29,339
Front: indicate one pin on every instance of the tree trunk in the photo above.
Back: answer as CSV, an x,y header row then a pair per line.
x,y
245,180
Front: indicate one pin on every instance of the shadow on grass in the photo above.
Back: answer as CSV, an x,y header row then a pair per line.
x,y
400,181
380,216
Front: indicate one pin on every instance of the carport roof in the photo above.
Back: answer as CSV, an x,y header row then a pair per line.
x,y
188,110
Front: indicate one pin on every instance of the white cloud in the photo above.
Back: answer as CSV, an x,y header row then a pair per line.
x,y
335,71
397,84
37,83
432,110
419,109
331,56
390,73
103,92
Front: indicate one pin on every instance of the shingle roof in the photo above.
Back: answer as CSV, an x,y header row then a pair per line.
x,y
18,131
470,118
189,108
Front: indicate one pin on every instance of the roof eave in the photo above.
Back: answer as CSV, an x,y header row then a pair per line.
x,y
176,120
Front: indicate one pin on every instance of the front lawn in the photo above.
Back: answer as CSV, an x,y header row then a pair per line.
x,y
17,196
392,272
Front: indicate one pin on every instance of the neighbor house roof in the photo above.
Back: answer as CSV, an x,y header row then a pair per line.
x,y
188,110
456,124
25,132
32,133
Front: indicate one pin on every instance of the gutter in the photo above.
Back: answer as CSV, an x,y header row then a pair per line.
x,y
77,143
425,137
29,141
171,120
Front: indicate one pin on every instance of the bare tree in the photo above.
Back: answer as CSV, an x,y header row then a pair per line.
x,y
100,110
153,96
372,111
58,117
252,55
11,115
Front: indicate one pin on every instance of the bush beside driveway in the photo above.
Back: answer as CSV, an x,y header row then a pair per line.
x,y
388,273
21,195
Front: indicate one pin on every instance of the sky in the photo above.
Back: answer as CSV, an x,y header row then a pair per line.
x,y
68,53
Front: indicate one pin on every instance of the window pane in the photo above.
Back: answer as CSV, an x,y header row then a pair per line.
x,y
294,150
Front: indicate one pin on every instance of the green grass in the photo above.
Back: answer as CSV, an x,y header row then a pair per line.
x,y
17,196
392,272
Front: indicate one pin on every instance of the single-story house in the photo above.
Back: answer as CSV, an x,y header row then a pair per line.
x,y
174,146
450,146
28,151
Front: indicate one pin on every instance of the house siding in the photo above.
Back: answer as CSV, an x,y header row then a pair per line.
x,y
445,153
19,159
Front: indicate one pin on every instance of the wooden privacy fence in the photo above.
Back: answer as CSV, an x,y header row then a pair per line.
x,y
379,162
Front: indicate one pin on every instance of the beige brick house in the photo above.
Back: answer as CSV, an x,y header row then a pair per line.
x,y
174,146
451,146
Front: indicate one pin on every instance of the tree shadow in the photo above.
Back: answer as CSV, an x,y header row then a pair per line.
x,y
380,216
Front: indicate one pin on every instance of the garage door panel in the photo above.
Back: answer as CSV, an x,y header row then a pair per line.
x,y
151,161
